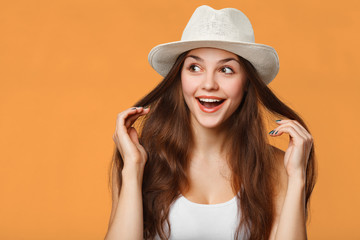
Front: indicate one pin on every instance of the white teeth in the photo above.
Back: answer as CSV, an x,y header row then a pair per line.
x,y
209,100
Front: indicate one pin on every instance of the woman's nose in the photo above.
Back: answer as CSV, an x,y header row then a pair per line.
x,y
210,82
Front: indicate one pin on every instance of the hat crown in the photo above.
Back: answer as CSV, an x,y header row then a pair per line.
x,y
227,24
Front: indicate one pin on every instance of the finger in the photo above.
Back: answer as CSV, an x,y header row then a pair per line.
x,y
124,142
120,121
132,118
121,130
296,122
289,124
133,135
301,131
121,136
297,138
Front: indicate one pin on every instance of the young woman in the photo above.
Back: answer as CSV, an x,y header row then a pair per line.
x,y
199,166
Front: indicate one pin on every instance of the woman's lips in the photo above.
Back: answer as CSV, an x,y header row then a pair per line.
x,y
210,109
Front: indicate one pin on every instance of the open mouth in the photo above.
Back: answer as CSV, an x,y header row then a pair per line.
x,y
209,102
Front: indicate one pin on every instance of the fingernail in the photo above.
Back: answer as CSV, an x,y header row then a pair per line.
x,y
133,108
278,120
146,107
271,131
276,132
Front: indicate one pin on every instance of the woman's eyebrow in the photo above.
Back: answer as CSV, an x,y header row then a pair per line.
x,y
220,61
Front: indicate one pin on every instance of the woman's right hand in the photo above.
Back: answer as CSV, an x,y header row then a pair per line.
x,y
126,137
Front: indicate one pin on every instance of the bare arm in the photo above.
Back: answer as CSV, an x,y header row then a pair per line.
x,y
290,221
126,220
290,206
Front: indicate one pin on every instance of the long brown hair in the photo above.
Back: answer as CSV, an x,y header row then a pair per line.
x,y
167,137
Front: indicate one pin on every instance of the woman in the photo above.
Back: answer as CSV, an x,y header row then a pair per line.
x,y
202,167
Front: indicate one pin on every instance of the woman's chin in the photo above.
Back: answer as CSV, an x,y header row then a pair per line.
x,y
210,123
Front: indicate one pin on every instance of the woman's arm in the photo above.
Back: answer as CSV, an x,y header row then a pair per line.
x,y
290,207
126,220
289,204
290,222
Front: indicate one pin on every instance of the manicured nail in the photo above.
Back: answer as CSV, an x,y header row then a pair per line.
x,y
271,132
278,120
276,132
133,108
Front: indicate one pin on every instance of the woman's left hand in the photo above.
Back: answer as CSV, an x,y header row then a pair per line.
x,y
297,154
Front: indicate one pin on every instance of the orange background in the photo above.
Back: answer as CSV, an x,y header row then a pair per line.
x,y
68,67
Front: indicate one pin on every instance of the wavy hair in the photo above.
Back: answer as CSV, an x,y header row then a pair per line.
x,y
167,137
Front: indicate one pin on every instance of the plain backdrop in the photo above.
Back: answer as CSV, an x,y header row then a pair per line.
x,y
68,67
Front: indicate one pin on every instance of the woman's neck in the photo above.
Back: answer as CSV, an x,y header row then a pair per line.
x,y
208,143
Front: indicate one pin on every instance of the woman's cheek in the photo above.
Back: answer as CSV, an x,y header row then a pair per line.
x,y
236,88
188,86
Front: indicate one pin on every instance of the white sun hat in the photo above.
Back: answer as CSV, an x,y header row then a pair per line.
x,y
228,29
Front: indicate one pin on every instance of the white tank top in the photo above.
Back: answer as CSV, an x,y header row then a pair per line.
x,y
195,221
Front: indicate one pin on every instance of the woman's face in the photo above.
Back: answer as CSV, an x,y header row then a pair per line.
x,y
213,83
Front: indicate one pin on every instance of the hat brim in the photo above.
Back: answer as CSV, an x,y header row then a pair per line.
x,y
263,57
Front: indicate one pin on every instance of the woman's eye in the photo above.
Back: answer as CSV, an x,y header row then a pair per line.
x,y
227,70
194,68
